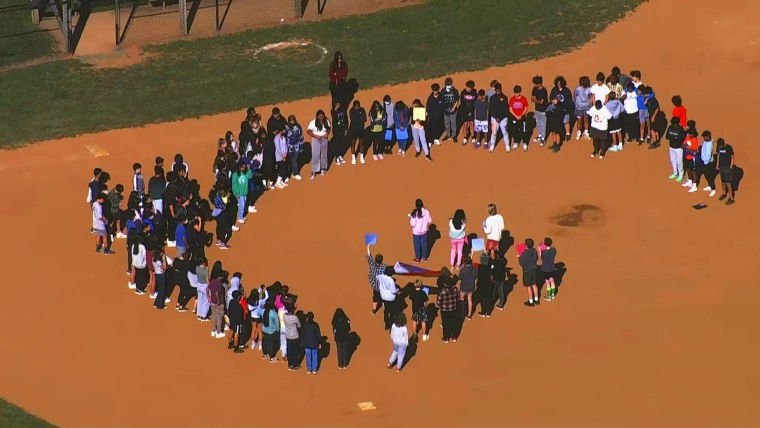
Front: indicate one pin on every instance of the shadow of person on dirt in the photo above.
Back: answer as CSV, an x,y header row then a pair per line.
x,y
433,236
411,351
738,175
354,340
506,242
559,274
324,350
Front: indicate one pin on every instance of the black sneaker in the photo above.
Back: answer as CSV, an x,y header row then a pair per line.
x,y
455,141
730,201
428,157
230,345
537,302
723,197
567,137
529,303
238,350
418,154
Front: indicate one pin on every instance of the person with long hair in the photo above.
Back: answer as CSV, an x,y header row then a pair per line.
x,y
271,330
419,298
139,265
599,128
493,226
400,339
485,286
377,119
291,325
565,98
294,136
312,336
582,105
319,130
160,267
281,157
340,131
420,220
201,286
468,276
256,304
357,121
421,144
457,225
338,75
446,302
401,118
341,329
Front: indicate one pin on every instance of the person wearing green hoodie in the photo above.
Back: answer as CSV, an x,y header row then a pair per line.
x,y
240,180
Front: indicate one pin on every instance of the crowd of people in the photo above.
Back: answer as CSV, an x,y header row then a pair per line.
x,y
170,211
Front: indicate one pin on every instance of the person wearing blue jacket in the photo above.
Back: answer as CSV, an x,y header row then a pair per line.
x,y
401,119
280,156
294,133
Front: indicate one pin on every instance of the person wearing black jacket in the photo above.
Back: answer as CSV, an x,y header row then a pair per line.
x,y
498,107
341,329
311,336
340,131
435,108
565,98
676,136
529,263
235,315
356,130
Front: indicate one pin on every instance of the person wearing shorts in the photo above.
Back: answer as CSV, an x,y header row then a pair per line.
x,y
99,225
236,317
641,101
548,255
529,263
419,300
493,226
467,100
726,167
583,102
481,119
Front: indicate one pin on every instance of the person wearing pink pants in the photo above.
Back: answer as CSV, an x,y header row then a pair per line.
x,y
457,226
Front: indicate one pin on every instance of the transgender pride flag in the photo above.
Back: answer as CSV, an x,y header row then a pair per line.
x,y
404,269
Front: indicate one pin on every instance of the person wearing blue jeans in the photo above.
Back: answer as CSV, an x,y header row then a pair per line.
x,y
311,338
420,221
240,187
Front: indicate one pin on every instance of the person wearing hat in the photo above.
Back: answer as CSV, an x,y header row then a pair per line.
x,y
450,96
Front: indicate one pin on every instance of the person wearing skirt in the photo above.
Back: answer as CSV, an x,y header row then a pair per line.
x,y
600,118
203,306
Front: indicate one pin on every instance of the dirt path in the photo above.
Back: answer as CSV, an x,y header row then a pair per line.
x,y
653,326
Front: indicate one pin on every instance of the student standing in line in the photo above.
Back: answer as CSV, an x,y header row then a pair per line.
x,y
498,107
182,266
485,286
631,109
615,107
450,96
400,339
389,126
99,222
256,303
421,145
224,226
493,226
116,222
401,118
600,118
457,226
420,220
281,157
518,106
676,136
388,289
276,120
679,111
653,111
271,329
311,338
376,267
705,164
156,186
529,263
499,273
160,267
236,315
600,90
319,130
341,329
446,302
555,114
725,166
582,105
540,99
340,131
202,302
376,127
138,183
481,120
240,186
140,265
419,300
294,136
292,325
93,187
548,268
435,108
565,99
356,131
468,276
468,97
215,292
691,152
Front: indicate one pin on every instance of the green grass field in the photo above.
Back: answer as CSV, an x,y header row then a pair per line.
x,y
15,417
206,76
20,39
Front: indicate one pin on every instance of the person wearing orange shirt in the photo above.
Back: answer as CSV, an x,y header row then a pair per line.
x,y
679,110
518,106
691,151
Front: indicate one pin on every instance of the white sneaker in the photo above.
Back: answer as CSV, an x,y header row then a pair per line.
x,y
601,156
286,180
171,244
241,221
154,295
613,149
374,157
235,228
167,301
514,146
361,158
707,189
220,335
261,347
353,159
380,156
712,193
490,150
297,177
120,235
525,147
620,149
437,142
279,185
252,209
585,135
131,286
213,334
425,337
693,189
593,155
577,135
686,184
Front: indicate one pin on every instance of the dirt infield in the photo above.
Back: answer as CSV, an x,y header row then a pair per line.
x,y
653,326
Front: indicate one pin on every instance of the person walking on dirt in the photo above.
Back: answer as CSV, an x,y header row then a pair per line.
x,y
419,298
529,263
376,267
400,339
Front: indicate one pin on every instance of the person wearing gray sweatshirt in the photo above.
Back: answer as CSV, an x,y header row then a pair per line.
x,y
390,134
615,107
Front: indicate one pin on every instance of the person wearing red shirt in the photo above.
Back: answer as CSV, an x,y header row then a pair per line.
x,y
691,151
679,110
338,76
518,106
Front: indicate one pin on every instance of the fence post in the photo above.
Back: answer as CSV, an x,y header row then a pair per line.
x,y
117,20
183,17
216,8
66,21
297,8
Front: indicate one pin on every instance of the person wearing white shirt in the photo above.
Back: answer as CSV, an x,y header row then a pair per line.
x,y
400,339
388,292
631,109
319,130
600,91
493,226
600,118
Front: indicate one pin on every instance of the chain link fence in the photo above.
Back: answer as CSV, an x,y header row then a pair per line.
x,y
30,34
